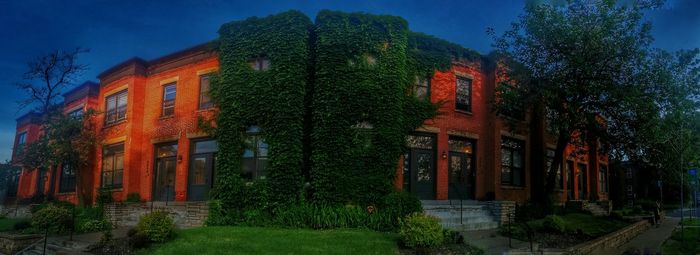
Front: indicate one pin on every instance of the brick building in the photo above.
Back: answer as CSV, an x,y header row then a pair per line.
x,y
152,144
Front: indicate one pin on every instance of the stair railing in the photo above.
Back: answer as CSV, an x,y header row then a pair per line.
x,y
461,197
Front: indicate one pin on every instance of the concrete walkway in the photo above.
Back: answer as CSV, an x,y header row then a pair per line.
x,y
648,242
491,242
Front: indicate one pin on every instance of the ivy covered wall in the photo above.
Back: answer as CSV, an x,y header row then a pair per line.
x,y
335,105
271,99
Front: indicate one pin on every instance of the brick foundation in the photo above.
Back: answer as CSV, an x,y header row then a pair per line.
x,y
184,214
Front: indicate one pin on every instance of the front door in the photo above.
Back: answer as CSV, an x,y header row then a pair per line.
x,y
40,182
570,179
164,179
582,181
419,166
201,176
462,172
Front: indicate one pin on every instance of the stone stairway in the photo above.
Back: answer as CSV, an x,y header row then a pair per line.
x,y
470,215
56,246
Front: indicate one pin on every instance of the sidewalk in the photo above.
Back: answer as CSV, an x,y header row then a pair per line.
x,y
491,242
648,242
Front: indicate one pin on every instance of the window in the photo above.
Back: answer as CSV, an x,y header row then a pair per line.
x,y
116,107
603,178
21,140
76,113
67,181
204,97
113,165
548,164
254,155
421,88
463,95
169,99
512,162
260,63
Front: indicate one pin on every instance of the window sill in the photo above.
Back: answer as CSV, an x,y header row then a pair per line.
x,y
210,109
114,124
65,193
470,113
116,189
503,186
166,117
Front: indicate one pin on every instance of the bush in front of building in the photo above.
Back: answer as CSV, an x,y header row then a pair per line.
x,y
554,223
420,230
54,219
156,226
133,197
401,204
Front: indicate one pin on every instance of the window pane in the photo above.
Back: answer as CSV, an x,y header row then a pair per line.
x,y
505,174
111,103
198,171
118,178
506,157
169,93
248,168
204,98
261,168
517,159
168,150
463,93
419,142
207,146
262,148
517,176
460,145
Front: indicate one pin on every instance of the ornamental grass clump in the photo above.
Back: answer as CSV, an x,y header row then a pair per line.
x,y
420,230
156,226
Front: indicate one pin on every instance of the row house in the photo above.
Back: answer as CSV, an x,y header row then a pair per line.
x,y
152,144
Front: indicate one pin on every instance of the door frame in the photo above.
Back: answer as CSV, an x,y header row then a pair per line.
x,y
154,183
471,192
192,155
434,155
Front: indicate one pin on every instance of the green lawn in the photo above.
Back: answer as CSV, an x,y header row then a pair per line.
x,y
690,242
251,240
7,224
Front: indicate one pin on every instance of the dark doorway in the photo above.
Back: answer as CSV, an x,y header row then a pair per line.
x,y
40,182
582,173
201,176
419,166
570,180
462,170
164,178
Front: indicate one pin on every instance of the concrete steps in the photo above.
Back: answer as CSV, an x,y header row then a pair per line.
x,y
463,215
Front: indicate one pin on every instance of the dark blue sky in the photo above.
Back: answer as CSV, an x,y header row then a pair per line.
x,y
117,30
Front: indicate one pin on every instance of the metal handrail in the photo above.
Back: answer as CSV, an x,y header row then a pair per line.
x,y
461,197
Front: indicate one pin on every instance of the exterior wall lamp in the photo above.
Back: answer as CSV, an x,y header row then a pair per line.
x,y
444,155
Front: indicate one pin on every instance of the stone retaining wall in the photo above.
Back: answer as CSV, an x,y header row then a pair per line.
x,y
614,239
184,214
11,244
17,212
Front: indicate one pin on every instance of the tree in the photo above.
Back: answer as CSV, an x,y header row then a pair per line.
x,y
584,67
48,76
64,140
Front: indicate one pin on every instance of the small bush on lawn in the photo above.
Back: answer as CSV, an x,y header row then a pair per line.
x,y
419,230
401,204
554,223
94,226
54,218
157,226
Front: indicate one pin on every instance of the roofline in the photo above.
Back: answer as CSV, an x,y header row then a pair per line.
x,y
76,88
196,48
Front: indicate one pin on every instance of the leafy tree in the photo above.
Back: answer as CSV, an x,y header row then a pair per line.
x,y
65,140
586,68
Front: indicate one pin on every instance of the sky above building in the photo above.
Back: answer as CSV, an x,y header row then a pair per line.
x,y
117,30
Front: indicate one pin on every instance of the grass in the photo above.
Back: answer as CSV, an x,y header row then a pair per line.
x,y
689,222
7,224
688,244
252,240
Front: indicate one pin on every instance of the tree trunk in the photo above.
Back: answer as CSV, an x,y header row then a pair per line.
x,y
562,142
538,194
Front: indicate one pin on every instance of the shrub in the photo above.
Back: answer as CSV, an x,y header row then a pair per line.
x,y
452,237
94,226
104,196
326,217
133,197
554,223
528,211
400,204
157,226
21,225
54,218
421,231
